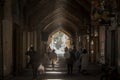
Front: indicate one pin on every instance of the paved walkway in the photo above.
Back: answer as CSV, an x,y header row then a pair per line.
x,y
59,73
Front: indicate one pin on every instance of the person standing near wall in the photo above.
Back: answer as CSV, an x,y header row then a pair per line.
x,y
84,61
78,58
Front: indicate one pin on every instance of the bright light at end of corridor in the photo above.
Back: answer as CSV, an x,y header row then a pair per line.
x,y
54,79
54,72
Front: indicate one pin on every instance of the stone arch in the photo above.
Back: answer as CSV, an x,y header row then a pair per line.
x,y
65,43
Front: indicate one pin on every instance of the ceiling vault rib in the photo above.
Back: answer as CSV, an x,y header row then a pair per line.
x,y
49,15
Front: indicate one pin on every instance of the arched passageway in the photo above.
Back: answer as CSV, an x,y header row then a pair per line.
x,y
91,24
58,40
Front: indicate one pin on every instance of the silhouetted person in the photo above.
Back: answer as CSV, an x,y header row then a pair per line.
x,y
53,58
70,61
34,61
49,51
84,61
66,54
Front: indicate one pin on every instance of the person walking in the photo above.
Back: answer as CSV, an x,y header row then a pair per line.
x,y
34,61
49,51
53,58
66,54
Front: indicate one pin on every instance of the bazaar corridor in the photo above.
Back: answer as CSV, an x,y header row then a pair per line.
x,y
60,72
59,39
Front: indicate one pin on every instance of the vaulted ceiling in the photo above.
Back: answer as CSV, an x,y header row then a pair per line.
x,y
51,15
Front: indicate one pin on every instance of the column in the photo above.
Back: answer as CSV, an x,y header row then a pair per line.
x,y
1,40
28,39
118,50
39,41
108,46
7,37
24,48
102,44
31,38
77,42
21,50
1,53
17,51
35,40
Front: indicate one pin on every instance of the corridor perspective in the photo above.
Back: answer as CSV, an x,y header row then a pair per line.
x,y
59,39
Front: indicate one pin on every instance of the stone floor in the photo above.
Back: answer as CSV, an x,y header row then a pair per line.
x,y
59,73
59,77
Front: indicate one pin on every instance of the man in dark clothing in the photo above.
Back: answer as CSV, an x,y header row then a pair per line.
x,y
34,61
71,61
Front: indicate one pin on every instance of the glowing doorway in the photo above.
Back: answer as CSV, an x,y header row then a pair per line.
x,y
59,41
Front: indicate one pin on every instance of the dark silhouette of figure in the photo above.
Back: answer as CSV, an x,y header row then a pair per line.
x,y
66,54
49,51
70,61
34,61
53,58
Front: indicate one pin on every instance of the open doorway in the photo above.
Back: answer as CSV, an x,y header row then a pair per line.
x,y
58,41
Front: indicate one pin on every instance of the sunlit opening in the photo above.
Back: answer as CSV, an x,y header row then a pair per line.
x,y
55,66
55,69
53,79
59,41
54,72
